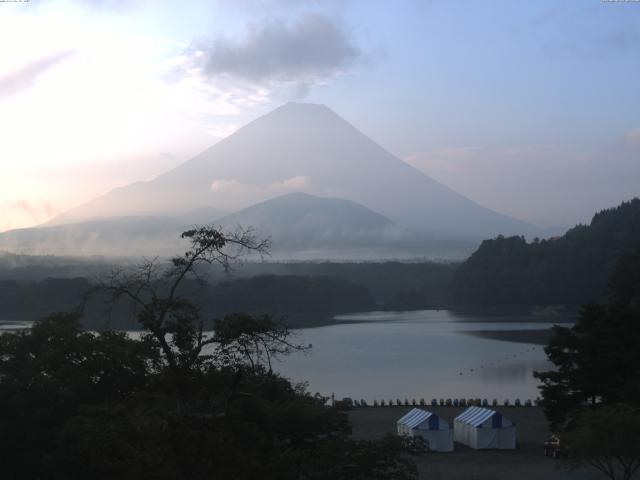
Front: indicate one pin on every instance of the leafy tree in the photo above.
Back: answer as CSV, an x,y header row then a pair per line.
x,y
598,360
52,371
608,439
567,270
173,322
242,338
177,403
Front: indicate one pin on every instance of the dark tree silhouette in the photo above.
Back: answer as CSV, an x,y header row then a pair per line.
x,y
153,291
608,439
569,270
597,360
178,402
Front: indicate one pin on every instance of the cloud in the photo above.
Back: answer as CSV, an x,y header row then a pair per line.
x,y
110,5
305,51
222,131
20,213
632,138
24,77
298,182
226,186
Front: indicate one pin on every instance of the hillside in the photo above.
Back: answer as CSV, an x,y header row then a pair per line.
x,y
300,226
572,269
306,148
306,226
119,236
290,295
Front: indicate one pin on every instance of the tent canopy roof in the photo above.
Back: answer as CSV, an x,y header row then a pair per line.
x,y
415,417
476,416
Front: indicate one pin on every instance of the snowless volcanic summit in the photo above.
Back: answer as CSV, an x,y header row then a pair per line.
x,y
305,148
297,148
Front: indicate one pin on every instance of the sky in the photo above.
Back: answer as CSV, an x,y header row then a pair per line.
x,y
529,108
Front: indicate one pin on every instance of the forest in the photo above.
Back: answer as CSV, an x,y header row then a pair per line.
x,y
569,270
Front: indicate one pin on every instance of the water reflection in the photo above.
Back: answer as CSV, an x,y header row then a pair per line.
x,y
422,354
419,354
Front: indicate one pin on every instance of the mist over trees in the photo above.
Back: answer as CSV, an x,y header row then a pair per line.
x,y
568,270
303,293
177,402
320,187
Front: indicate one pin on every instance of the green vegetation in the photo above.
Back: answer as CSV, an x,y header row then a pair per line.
x,y
569,270
30,300
393,285
176,403
303,293
291,295
593,394
597,360
608,439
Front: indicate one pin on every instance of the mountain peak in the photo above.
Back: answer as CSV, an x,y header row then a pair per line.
x,y
300,106
307,148
302,112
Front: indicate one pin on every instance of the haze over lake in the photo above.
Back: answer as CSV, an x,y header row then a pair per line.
x,y
415,354
419,354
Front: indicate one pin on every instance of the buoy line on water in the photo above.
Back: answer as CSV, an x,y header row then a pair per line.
x,y
499,360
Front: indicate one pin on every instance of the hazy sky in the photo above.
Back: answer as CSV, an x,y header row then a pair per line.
x,y
530,108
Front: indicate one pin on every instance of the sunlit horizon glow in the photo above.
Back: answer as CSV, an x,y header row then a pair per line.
x,y
514,107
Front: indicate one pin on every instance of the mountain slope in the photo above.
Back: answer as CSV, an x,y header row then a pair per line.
x,y
303,147
299,225
572,269
300,222
121,236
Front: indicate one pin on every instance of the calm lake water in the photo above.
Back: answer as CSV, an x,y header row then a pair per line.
x,y
419,354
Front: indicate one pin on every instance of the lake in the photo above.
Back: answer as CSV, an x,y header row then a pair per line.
x,y
419,354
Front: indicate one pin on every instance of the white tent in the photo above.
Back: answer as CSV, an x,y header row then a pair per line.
x,y
482,428
435,431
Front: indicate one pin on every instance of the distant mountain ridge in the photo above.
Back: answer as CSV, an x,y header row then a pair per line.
x,y
572,269
300,220
306,148
388,207
299,226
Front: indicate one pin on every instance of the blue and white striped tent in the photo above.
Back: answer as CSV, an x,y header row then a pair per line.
x,y
482,428
434,430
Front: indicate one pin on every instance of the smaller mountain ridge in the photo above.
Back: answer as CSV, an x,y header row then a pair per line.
x,y
305,148
301,226
299,221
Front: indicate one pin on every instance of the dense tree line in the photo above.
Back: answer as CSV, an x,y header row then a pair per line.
x,y
592,396
299,299
568,270
598,359
178,402
31,300
304,293
392,284
291,294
